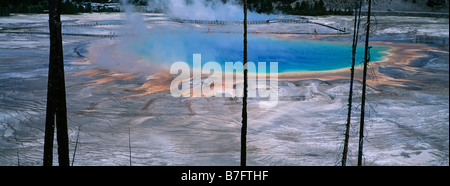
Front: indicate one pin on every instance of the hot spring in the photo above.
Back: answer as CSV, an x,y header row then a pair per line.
x,y
292,55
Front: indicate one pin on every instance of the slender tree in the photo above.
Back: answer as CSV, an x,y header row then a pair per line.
x,y
129,144
76,145
56,92
363,99
18,158
358,5
244,100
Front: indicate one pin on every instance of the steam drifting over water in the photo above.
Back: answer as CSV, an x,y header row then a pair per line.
x,y
205,10
148,48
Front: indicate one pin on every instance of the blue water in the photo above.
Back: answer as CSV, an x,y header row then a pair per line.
x,y
292,55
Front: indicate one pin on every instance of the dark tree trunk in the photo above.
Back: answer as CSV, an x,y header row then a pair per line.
x,y
56,95
129,144
244,100
358,5
363,99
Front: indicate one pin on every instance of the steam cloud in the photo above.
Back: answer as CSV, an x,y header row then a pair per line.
x,y
144,50
209,10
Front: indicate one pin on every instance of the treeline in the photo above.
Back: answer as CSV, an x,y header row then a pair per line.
x,y
4,11
294,7
41,6
435,3
23,6
134,2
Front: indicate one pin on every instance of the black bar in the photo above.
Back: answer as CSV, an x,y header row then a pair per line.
x,y
275,175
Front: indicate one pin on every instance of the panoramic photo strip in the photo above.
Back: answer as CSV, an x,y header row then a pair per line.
x,y
257,83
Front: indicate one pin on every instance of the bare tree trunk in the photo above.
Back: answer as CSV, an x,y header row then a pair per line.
x,y
56,95
363,99
76,145
129,143
358,5
244,100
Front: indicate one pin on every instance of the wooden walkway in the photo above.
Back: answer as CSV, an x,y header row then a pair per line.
x,y
77,25
221,22
287,21
66,34
208,22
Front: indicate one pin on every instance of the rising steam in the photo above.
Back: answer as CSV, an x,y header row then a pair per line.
x,y
209,10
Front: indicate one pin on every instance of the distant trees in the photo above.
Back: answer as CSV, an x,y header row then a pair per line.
x,y
69,7
436,3
40,6
25,6
260,6
313,9
316,8
4,11
305,8
37,6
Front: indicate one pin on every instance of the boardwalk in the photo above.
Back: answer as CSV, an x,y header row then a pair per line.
x,y
286,21
205,22
65,34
